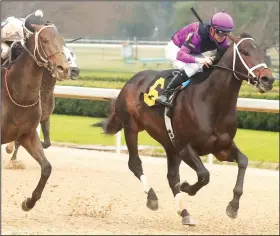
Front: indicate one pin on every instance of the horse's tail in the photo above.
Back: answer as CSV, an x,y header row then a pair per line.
x,y
113,123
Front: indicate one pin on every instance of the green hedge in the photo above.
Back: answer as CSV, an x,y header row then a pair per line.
x,y
246,120
258,120
80,107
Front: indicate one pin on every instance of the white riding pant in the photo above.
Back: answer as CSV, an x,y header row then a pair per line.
x,y
171,51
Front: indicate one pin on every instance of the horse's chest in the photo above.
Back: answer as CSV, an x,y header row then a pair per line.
x,y
216,142
15,123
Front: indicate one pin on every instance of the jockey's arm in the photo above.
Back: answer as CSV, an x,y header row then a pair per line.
x,y
187,48
184,55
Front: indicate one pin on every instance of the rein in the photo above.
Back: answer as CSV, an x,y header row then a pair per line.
x,y
233,71
14,102
45,64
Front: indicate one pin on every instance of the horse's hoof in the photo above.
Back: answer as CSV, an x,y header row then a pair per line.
x,y
9,149
152,204
231,212
24,206
45,145
188,220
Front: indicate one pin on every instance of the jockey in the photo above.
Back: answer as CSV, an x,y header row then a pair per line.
x,y
187,45
12,30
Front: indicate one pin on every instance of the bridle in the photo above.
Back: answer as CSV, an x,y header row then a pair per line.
x,y
252,78
42,61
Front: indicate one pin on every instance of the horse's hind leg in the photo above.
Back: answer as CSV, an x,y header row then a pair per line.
x,y
234,154
173,164
17,145
191,158
135,164
31,142
45,126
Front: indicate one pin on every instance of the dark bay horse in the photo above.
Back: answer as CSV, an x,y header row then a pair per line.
x,y
21,106
203,119
47,103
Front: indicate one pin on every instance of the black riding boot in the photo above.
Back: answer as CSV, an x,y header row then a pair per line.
x,y
175,82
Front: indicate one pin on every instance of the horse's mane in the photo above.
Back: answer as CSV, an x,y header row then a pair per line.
x,y
245,35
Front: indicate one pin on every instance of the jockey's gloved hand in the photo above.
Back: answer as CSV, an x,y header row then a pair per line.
x,y
204,61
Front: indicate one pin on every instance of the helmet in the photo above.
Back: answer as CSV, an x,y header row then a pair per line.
x,y
34,18
222,21
39,13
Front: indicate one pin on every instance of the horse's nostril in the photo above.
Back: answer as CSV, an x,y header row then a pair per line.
x,y
60,68
265,79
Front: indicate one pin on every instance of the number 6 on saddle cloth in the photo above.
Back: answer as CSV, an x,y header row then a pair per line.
x,y
158,85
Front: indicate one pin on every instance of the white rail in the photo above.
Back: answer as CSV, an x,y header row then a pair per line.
x,y
245,104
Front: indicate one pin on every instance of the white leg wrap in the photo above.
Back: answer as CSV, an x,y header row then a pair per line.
x,y
180,203
145,183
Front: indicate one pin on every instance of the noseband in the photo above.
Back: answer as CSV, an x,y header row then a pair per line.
x,y
251,75
42,61
250,70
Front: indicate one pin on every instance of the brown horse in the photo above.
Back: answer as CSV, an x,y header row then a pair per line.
x,y
21,108
203,120
47,103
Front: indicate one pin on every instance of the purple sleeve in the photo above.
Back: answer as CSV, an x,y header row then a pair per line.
x,y
192,42
184,55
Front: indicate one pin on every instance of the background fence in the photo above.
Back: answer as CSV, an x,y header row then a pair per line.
x,y
128,56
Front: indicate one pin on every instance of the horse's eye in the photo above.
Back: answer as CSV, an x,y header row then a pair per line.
x,y
44,40
245,52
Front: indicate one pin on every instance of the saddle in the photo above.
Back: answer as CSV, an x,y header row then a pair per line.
x,y
161,81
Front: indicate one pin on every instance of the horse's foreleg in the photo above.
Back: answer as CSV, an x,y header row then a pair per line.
x,y
234,154
191,158
173,176
31,142
45,126
135,164
17,145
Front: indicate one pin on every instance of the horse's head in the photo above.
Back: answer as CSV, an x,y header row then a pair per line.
x,y
249,57
74,71
44,44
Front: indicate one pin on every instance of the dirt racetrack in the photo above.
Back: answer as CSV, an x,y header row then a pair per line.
x,y
92,192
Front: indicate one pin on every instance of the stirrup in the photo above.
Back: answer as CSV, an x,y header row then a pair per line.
x,y
167,103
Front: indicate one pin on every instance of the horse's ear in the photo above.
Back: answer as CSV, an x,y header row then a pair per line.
x,y
233,38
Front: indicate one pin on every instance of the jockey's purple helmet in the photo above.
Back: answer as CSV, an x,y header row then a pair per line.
x,y
222,22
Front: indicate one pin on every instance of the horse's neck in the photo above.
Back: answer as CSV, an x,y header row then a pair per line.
x,y
223,89
48,82
24,79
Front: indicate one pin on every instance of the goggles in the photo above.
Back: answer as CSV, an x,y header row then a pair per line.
x,y
221,32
